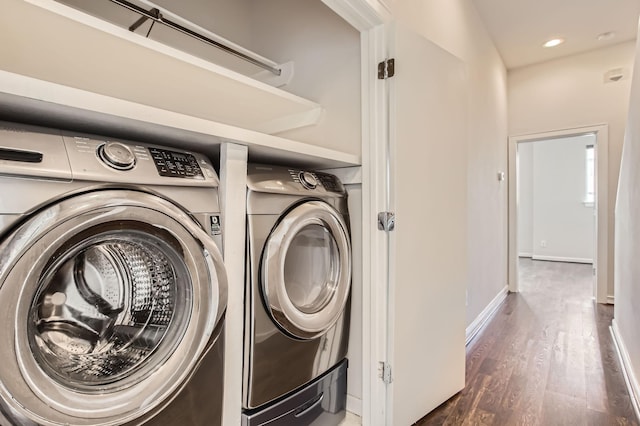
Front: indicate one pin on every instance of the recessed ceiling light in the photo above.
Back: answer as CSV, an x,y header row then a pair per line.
x,y
606,36
554,42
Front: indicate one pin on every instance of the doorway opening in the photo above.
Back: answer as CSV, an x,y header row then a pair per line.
x,y
537,231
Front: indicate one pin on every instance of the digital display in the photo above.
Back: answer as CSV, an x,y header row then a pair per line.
x,y
176,164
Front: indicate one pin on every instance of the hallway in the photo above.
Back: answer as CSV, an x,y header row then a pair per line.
x,y
545,358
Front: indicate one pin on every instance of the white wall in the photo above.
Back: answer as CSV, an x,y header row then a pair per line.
x,y
525,199
226,18
627,237
455,25
553,219
570,92
325,50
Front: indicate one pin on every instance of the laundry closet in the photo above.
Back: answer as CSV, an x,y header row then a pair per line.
x,y
71,68
321,109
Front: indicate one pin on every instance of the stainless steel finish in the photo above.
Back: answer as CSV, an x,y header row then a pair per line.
x,y
54,165
117,155
306,286
88,166
308,180
298,282
262,180
386,221
386,69
158,17
320,403
111,293
385,372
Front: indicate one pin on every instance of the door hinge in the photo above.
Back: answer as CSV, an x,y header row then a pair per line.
x,y
385,372
386,221
386,69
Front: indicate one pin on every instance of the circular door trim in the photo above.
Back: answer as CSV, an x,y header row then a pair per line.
x,y
300,324
24,387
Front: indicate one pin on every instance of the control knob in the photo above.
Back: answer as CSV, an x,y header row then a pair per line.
x,y
117,155
308,180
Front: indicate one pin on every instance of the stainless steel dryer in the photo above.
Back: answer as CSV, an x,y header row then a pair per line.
x,y
112,287
297,298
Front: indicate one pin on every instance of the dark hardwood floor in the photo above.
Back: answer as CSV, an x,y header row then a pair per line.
x,y
545,358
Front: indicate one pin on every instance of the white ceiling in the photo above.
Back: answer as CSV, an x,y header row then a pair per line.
x,y
520,27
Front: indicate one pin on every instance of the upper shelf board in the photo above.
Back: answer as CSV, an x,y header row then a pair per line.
x,y
52,42
28,99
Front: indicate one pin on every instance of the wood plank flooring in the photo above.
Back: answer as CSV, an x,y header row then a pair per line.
x,y
545,358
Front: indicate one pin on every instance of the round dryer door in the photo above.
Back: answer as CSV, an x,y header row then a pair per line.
x,y
306,269
107,301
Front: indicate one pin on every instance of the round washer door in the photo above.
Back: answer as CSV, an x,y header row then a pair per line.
x,y
306,269
107,301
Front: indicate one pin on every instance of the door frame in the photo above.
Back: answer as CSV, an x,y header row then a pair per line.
x,y
370,18
601,261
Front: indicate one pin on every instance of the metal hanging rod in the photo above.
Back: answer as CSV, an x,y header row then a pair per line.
x,y
156,16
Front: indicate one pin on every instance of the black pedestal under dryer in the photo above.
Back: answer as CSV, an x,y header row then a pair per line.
x,y
112,287
297,298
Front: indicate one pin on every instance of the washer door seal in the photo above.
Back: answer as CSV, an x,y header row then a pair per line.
x,y
306,270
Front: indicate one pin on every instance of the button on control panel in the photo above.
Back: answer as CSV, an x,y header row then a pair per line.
x,y
308,180
330,182
176,164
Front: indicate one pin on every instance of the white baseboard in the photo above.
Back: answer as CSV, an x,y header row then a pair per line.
x,y
611,300
525,255
354,405
627,368
480,321
562,259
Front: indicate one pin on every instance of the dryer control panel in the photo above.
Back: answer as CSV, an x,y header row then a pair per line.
x,y
311,180
282,180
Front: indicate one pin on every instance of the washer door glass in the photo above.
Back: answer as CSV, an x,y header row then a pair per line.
x,y
108,306
306,269
112,297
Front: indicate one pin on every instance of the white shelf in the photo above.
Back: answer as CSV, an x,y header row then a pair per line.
x,y
28,99
49,41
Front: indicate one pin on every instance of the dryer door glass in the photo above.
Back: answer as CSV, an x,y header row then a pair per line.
x,y
311,268
306,270
112,298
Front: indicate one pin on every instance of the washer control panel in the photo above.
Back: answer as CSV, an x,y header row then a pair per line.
x,y
97,159
175,164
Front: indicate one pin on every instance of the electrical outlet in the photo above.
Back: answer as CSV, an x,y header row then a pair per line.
x,y
543,243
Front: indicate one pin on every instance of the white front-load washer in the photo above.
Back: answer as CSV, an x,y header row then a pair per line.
x,y
297,298
112,286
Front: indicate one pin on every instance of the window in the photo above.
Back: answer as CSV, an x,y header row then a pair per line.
x,y
590,184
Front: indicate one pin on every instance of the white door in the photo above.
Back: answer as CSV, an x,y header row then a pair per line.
x,y
428,248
